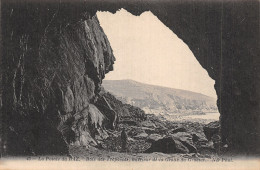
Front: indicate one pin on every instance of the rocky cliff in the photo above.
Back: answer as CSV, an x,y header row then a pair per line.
x,y
39,40
160,100
53,68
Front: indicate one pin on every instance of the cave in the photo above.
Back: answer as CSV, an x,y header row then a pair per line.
x,y
223,36
142,44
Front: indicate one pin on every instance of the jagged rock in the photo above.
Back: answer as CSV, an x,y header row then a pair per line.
x,y
141,136
135,131
211,129
129,122
148,123
112,116
207,148
216,139
195,137
179,129
88,126
186,140
131,140
26,96
125,113
148,130
180,142
55,71
154,137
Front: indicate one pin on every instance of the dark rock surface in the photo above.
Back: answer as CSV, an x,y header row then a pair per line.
x,y
51,76
179,129
126,112
180,142
211,129
154,137
154,134
167,145
52,49
186,140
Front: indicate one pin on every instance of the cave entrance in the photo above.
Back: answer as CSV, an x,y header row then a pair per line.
x,y
155,70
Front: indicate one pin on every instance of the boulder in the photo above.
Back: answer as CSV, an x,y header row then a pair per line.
x,y
186,140
211,129
154,137
125,113
216,139
141,135
88,126
129,122
180,142
178,129
167,145
195,137
148,123
135,131
207,148
131,139
198,137
148,130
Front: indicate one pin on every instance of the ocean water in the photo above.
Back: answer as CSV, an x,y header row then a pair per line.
x,y
207,116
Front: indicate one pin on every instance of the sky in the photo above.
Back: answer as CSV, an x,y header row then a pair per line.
x,y
149,52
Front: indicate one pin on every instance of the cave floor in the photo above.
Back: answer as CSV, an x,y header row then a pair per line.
x,y
94,154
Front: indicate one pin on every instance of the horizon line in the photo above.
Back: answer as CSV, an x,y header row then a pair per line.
x,y
161,86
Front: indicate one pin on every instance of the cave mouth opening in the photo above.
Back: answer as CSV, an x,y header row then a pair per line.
x,y
155,70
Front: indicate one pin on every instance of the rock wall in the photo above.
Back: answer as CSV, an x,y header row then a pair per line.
x,y
224,37
53,66
39,41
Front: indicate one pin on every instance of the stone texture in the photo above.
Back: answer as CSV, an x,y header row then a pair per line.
x,y
167,145
154,137
211,129
223,35
179,129
53,72
180,142
141,135
186,140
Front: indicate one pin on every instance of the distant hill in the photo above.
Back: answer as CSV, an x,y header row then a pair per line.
x,y
160,100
